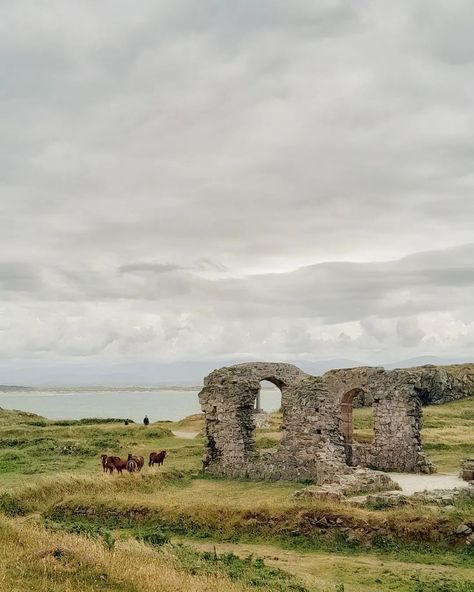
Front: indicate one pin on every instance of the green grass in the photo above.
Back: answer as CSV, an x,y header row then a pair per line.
x,y
416,534
251,571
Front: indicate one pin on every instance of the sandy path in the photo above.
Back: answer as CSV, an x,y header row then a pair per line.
x,y
185,435
412,483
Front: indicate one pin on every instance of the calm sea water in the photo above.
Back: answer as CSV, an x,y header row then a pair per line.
x,y
158,405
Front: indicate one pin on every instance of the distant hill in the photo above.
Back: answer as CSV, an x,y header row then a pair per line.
x,y
187,374
423,361
321,366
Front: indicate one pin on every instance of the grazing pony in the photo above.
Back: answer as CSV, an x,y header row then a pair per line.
x,y
157,458
131,464
140,461
109,463
115,462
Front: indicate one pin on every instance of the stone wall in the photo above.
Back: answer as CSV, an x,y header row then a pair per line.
x,y
316,441
396,404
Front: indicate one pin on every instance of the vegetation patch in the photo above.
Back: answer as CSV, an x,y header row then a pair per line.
x,y
332,528
250,571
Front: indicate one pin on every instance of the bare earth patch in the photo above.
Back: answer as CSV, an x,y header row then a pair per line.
x,y
412,483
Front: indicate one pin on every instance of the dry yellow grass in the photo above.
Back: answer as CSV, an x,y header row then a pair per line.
x,y
35,560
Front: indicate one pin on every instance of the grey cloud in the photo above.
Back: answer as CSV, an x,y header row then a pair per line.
x,y
223,177
153,267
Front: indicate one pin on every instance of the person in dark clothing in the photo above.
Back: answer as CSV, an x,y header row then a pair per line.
x,y
146,421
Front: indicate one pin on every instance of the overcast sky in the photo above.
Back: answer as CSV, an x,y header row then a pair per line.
x,y
207,180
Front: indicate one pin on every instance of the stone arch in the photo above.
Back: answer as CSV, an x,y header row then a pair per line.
x,y
270,409
346,421
346,418
228,401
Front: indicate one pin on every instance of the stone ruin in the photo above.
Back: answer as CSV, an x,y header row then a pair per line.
x,y
317,434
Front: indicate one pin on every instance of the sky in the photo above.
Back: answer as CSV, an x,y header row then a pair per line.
x,y
194,180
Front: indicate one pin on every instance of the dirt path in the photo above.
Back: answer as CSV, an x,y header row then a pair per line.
x,y
323,571
185,435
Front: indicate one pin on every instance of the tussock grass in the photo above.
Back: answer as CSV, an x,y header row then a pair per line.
x,y
192,423
45,491
35,559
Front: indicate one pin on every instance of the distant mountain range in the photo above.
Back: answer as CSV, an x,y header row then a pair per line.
x,y
182,374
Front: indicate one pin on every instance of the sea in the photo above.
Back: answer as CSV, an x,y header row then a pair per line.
x,y
160,404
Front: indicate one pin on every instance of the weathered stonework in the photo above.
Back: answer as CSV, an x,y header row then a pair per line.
x,y
316,441
435,385
467,469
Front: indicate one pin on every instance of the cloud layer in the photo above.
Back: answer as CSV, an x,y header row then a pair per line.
x,y
200,180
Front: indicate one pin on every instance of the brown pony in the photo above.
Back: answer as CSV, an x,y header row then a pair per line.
x,y
109,463
115,462
157,458
140,461
103,460
131,464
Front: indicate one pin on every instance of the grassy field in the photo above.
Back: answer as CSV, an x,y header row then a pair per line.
x,y
66,526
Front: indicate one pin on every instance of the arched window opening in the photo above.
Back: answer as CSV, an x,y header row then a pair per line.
x,y
356,421
268,415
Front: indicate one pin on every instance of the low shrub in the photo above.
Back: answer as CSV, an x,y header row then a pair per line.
x,y
152,536
87,529
89,421
11,505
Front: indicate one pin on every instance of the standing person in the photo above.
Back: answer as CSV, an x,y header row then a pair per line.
x,y
146,421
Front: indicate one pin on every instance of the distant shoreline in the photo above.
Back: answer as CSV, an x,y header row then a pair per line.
x,y
18,390
6,389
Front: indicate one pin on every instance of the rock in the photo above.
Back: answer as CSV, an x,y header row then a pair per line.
x,y
467,470
470,540
463,529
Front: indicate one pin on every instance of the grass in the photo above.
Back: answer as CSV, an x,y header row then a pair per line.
x,y
31,446
416,533
53,494
37,559
353,573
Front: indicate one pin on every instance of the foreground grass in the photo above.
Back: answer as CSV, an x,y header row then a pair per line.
x,y
34,559
354,573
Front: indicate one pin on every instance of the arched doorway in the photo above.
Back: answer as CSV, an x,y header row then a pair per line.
x,y
268,414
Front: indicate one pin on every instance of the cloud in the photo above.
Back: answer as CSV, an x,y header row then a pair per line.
x,y
192,180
